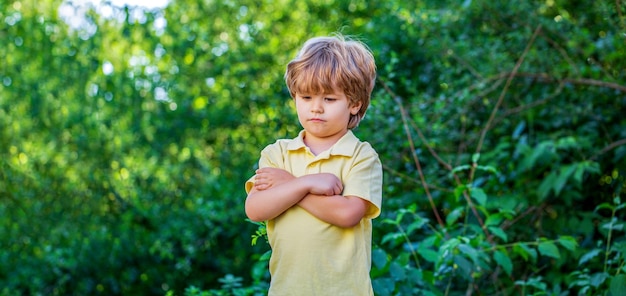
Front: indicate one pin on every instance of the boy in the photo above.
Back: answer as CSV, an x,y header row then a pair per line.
x,y
319,191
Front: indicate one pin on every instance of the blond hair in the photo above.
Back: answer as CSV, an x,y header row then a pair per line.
x,y
328,63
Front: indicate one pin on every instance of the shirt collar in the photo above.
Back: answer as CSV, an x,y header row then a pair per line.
x,y
346,146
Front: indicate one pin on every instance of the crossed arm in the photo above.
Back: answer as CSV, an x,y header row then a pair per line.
x,y
276,190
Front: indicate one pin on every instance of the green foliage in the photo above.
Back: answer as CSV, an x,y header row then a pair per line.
x,y
127,139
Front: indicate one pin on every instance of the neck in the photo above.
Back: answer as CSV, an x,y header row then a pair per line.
x,y
319,145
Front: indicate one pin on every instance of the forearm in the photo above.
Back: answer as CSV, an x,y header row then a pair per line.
x,y
339,210
262,205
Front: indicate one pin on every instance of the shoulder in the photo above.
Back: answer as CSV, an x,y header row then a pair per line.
x,y
364,149
282,146
364,157
351,146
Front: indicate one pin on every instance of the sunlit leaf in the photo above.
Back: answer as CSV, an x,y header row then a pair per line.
x,y
568,242
479,195
497,231
588,256
548,248
428,254
453,216
597,279
503,261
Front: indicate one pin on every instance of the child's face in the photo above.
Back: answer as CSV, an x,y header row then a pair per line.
x,y
325,116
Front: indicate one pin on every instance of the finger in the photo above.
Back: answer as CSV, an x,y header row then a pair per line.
x,y
338,188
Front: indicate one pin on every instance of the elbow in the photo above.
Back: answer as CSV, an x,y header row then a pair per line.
x,y
254,217
351,216
350,224
252,214
349,220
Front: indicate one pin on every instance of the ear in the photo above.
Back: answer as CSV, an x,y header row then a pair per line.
x,y
354,108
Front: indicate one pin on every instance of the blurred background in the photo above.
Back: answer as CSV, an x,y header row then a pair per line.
x,y
127,131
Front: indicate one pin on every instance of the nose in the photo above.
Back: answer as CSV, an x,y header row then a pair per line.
x,y
317,107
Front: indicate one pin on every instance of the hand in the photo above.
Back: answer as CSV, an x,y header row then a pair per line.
x,y
324,184
267,178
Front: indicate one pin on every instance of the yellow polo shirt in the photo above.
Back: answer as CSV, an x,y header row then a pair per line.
x,y
310,256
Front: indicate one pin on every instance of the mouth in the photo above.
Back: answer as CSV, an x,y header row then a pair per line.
x,y
316,120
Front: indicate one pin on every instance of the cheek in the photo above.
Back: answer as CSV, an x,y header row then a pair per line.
x,y
300,109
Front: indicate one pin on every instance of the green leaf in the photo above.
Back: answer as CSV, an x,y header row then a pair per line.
x,y
597,279
543,151
568,242
389,221
566,143
549,249
469,251
397,272
403,259
564,174
465,266
393,236
544,188
266,255
519,129
619,247
519,250
604,205
503,261
494,219
461,168
475,157
588,256
384,286
418,223
454,216
479,195
613,225
618,284
535,282
487,168
429,255
448,246
379,258
578,174
497,231
458,191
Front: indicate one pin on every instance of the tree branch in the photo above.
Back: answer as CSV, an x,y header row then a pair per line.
x,y
541,77
609,148
404,116
502,94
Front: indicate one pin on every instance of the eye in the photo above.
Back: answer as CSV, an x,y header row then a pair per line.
x,y
330,99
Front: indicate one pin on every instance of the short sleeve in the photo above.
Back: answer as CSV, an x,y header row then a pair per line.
x,y
271,156
365,180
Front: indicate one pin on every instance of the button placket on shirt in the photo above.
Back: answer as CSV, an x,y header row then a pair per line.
x,y
314,165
